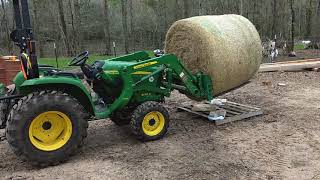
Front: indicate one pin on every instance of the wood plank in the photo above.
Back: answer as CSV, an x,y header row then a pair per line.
x,y
290,66
296,61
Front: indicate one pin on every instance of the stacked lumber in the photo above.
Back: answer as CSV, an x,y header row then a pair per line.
x,y
291,65
9,67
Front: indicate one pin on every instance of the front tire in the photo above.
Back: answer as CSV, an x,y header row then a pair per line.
x,y
150,121
47,127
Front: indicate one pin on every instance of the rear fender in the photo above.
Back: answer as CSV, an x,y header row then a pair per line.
x,y
19,79
73,87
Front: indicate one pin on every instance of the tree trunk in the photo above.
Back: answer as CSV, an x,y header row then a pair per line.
x,y
132,35
5,24
291,47
77,22
36,23
74,38
63,26
186,8
317,23
274,18
125,26
308,19
241,7
212,9
162,22
318,9
200,8
177,8
254,20
106,26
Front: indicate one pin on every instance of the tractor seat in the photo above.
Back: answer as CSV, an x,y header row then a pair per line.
x,y
98,64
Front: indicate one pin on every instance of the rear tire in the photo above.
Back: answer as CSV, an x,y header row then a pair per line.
x,y
150,121
5,107
46,128
3,114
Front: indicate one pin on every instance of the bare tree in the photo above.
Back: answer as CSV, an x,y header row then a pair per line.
x,y
186,7
308,18
132,35
124,25
77,22
316,24
162,21
200,7
241,7
274,17
177,8
106,26
318,9
63,26
5,24
36,23
74,39
291,46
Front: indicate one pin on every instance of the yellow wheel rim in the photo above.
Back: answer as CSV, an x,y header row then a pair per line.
x,y
50,130
153,123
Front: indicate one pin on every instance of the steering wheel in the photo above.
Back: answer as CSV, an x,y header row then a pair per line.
x,y
80,60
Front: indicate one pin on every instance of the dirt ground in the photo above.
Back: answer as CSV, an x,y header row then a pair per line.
x,y
284,143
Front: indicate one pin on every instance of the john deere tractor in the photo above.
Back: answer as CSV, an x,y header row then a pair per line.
x,y
47,110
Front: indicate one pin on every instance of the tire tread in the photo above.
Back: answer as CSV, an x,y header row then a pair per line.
x,y
23,106
137,118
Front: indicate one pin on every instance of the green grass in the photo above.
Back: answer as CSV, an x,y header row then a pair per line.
x,y
63,61
299,47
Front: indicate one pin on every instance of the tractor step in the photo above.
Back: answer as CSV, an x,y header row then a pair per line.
x,y
233,111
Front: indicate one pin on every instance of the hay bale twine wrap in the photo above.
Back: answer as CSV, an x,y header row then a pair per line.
x,y
227,47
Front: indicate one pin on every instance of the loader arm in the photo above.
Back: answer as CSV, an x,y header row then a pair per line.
x,y
197,86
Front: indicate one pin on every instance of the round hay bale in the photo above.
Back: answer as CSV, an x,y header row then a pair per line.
x,y
227,47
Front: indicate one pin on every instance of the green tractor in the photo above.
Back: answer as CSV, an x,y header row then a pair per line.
x,y
49,115
46,111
